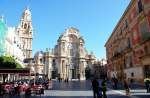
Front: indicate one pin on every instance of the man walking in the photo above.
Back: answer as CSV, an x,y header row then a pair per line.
x,y
95,86
147,84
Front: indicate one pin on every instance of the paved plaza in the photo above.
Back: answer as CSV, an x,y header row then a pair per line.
x,y
82,89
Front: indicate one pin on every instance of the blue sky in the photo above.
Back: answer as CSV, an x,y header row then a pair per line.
x,y
95,19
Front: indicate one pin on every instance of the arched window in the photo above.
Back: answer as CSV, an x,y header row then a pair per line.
x,y
28,27
41,60
53,63
25,26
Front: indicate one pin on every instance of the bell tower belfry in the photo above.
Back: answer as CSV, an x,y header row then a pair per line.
x,y
25,32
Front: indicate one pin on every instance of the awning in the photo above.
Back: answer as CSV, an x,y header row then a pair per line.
x,y
15,71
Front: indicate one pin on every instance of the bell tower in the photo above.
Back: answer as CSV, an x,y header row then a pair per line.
x,y
25,32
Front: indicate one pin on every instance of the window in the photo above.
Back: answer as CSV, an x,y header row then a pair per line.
x,y
140,6
41,61
120,32
144,30
53,64
146,50
130,58
124,61
25,26
126,23
129,43
132,74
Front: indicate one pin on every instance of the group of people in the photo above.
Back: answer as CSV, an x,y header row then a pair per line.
x,y
99,88
127,85
12,87
146,82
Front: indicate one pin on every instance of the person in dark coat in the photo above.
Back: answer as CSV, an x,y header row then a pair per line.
x,y
104,88
95,86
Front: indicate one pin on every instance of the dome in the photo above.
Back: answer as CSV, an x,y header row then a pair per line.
x,y
39,54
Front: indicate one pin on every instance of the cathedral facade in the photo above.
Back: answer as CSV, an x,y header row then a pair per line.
x,y
68,59
71,53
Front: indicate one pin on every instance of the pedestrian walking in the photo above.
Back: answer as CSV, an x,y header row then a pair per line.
x,y
104,88
96,90
115,80
147,84
127,88
67,79
59,79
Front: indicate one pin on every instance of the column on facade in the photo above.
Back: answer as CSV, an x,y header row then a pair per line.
x,y
49,72
70,72
67,71
62,69
46,65
82,70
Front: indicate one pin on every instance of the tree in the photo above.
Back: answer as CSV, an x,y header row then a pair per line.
x,y
8,62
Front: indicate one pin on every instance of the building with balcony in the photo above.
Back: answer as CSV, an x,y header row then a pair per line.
x,y
128,47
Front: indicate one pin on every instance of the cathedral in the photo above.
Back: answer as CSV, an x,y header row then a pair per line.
x,y
68,59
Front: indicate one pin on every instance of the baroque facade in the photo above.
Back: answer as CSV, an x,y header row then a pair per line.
x,y
68,59
128,47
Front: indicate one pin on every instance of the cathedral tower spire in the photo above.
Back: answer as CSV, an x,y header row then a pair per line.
x,y
25,31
